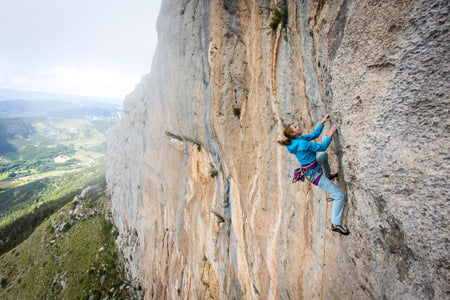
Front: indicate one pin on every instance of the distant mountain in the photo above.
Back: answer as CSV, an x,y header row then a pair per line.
x,y
61,109
10,94
11,129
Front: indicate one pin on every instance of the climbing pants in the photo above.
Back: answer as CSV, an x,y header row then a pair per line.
x,y
328,186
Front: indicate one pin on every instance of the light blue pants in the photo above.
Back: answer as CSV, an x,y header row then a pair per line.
x,y
328,186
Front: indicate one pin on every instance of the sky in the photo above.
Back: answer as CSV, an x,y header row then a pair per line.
x,y
96,48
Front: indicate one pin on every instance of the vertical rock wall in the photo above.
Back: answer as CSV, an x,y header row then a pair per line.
x,y
202,194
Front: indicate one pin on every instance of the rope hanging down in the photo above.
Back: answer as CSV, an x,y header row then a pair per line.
x,y
328,199
324,247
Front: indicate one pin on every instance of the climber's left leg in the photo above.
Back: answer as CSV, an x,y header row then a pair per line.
x,y
322,160
338,199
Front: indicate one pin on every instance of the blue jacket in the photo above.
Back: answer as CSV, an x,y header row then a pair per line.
x,y
304,150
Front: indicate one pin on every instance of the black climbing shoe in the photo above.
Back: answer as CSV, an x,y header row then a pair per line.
x,y
332,176
340,229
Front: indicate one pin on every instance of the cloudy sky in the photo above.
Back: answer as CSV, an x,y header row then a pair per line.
x,y
81,47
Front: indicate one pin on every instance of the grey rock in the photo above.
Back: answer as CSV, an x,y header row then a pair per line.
x,y
380,68
102,280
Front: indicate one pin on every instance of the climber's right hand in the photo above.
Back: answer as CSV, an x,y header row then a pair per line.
x,y
332,131
327,118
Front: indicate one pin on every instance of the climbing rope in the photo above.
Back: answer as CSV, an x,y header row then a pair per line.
x,y
328,199
324,245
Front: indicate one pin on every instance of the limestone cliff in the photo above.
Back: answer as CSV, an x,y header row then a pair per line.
x,y
202,193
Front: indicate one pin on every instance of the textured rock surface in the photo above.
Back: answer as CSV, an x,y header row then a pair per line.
x,y
201,192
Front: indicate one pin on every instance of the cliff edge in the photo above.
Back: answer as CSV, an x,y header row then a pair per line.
x,y
202,193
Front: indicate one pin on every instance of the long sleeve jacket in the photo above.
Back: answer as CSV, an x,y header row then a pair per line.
x,y
305,150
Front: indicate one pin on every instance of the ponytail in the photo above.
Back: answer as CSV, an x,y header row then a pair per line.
x,y
285,142
289,134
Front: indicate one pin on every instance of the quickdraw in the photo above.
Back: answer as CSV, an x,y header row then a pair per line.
x,y
299,175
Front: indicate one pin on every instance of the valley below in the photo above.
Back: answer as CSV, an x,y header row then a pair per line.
x,y
56,237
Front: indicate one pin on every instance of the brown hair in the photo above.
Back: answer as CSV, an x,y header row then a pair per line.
x,y
289,134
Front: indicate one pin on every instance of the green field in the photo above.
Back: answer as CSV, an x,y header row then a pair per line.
x,y
54,245
44,162
18,201
34,148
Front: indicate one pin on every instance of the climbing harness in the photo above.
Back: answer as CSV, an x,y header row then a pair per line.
x,y
299,175
309,171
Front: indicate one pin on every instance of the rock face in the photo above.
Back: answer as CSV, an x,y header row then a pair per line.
x,y
202,193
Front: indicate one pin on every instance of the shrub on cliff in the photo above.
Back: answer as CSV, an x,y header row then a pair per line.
x,y
279,16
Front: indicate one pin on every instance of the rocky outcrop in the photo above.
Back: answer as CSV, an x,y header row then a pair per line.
x,y
202,193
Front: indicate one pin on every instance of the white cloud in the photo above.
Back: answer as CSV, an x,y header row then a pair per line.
x,y
87,47
73,80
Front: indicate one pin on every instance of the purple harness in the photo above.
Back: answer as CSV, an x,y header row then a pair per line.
x,y
303,169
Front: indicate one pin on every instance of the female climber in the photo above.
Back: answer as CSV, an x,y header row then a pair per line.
x,y
312,165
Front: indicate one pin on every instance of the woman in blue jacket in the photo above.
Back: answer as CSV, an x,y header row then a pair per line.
x,y
312,165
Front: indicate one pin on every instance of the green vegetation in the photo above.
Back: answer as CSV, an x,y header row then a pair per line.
x,y
17,231
33,146
19,201
71,255
97,148
237,111
52,245
11,128
212,171
39,159
12,184
279,16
